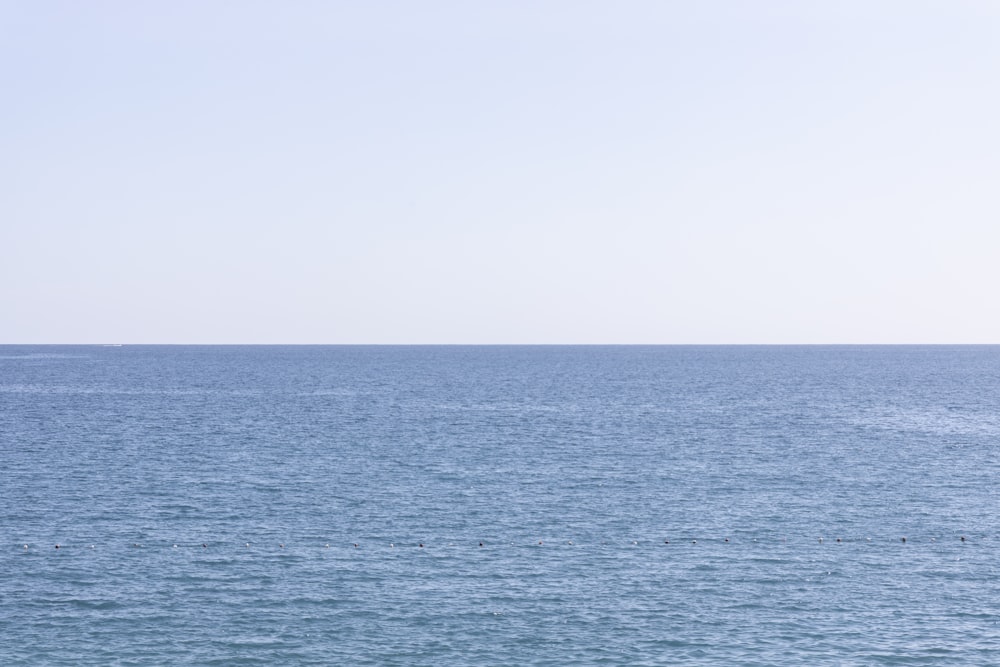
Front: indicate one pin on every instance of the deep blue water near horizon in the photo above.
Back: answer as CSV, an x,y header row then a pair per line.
x,y
635,505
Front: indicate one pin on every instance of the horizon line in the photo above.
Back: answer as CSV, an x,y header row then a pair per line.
x,y
734,344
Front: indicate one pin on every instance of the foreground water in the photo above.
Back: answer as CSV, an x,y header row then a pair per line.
x,y
634,505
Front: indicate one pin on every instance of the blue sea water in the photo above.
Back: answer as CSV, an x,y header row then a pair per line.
x,y
635,505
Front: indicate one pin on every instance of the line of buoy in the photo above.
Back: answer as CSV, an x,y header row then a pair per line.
x,y
421,545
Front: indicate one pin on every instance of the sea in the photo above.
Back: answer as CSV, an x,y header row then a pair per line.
x,y
493,505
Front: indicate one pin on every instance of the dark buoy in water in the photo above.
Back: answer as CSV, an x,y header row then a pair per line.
x,y
204,546
821,540
694,541
480,544
355,545
666,541
838,540
421,545
282,546
962,538
57,546
727,539
903,539
539,542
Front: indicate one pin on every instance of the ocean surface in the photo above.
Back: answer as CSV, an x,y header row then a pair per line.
x,y
499,505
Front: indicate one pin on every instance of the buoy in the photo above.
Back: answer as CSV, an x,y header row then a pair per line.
x,y
57,546
727,539
480,544
904,540
963,539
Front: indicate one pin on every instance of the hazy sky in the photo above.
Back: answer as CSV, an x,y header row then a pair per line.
x,y
500,172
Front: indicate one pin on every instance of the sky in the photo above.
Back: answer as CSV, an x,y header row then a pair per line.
x,y
631,172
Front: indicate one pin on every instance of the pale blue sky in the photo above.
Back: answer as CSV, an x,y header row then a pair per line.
x,y
505,172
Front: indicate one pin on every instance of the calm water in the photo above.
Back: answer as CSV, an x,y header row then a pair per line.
x,y
573,466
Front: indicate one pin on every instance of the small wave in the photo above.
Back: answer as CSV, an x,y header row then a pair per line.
x,y
41,356
85,603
